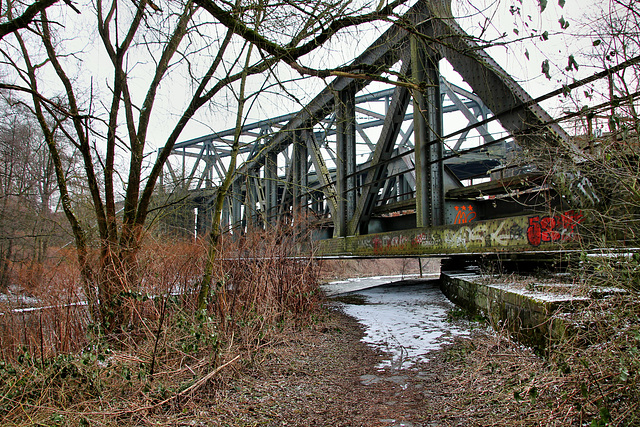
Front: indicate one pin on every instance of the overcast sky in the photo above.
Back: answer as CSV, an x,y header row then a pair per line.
x,y
490,19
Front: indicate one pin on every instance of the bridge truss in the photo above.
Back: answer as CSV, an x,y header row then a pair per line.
x,y
394,171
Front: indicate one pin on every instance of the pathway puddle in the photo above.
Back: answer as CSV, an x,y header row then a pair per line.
x,y
405,319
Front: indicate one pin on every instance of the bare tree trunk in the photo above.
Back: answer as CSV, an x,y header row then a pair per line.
x,y
215,235
117,281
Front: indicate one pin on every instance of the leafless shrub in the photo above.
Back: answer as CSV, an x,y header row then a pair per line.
x,y
59,368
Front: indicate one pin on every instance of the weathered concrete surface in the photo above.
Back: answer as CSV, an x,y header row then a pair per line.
x,y
533,316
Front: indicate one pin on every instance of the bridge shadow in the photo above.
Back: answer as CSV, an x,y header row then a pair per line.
x,y
341,287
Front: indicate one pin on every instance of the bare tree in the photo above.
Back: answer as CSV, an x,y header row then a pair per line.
x,y
616,38
144,43
16,20
27,192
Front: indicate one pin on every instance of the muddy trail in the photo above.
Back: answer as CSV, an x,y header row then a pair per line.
x,y
342,372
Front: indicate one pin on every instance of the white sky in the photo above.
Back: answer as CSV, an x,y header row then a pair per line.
x,y
511,56
93,65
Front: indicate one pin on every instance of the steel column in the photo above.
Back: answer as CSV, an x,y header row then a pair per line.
x,y
225,219
300,176
346,158
427,123
250,210
202,219
236,206
271,187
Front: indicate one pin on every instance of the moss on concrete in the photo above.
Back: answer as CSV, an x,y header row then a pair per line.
x,y
532,318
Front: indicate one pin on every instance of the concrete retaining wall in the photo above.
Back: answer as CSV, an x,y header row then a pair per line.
x,y
534,318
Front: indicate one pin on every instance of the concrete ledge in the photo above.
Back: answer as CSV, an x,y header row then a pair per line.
x,y
532,316
517,234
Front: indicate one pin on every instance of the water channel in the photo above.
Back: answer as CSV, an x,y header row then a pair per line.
x,y
404,317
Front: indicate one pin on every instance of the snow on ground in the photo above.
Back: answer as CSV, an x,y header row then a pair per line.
x,y
405,320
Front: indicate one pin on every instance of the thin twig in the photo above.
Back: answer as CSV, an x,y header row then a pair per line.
x,y
193,387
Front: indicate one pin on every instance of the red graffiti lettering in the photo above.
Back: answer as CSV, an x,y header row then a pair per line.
x,y
534,234
553,228
420,239
377,244
464,216
385,243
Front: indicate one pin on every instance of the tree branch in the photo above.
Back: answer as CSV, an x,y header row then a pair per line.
x,y
25,19
42,98
289,53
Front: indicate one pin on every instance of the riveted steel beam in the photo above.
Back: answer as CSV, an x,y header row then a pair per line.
x,y
236,206
322,172
271,187
427,125
300,174
346,159
469,115
252,199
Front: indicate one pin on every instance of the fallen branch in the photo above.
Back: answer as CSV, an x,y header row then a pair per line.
x,y
189,389
193,387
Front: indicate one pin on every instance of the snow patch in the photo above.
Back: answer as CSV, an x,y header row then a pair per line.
x,y
406,321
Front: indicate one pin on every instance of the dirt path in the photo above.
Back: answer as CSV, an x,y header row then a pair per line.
x,y
320,378
324,375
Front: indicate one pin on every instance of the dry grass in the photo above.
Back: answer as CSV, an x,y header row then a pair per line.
x,y
267,352
59,369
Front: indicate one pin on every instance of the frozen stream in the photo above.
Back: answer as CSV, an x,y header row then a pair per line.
x,y
406,319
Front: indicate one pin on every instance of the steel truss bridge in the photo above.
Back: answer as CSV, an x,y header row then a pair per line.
x,y
397,171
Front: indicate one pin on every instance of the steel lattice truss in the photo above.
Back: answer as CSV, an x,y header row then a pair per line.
x,y
351,157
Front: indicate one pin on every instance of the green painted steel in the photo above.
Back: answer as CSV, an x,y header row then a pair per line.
x,y
513,234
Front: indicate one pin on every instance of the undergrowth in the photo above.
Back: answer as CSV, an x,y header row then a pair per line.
x,y
599,362
58,368
589,378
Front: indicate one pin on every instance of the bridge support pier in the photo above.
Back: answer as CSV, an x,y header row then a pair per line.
x,y
271,187
300,187
236,206
251,213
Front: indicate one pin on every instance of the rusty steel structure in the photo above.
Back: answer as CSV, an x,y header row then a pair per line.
x,y
382,173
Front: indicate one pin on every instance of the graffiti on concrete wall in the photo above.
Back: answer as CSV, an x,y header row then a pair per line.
x,y
495,235
464,214
557,228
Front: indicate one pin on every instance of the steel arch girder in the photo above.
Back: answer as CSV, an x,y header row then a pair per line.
x,y
509,102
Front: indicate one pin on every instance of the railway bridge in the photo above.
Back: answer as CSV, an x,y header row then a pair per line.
x,y
397,172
